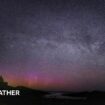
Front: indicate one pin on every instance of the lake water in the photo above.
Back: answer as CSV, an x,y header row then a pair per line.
x,y
61,96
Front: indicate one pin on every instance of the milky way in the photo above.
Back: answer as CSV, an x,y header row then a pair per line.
x,y
53,44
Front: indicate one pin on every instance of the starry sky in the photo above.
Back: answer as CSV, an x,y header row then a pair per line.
x,y
53,44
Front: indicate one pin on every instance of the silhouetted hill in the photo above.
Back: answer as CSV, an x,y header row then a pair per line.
x,y
24,91
30,92
27,92
37,97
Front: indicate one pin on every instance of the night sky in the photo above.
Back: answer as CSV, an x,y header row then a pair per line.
x,y
53,44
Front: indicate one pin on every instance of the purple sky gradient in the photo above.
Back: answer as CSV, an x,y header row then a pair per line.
x,y
53,44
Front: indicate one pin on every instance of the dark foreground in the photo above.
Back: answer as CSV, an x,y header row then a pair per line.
x,y
33,101
35,97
